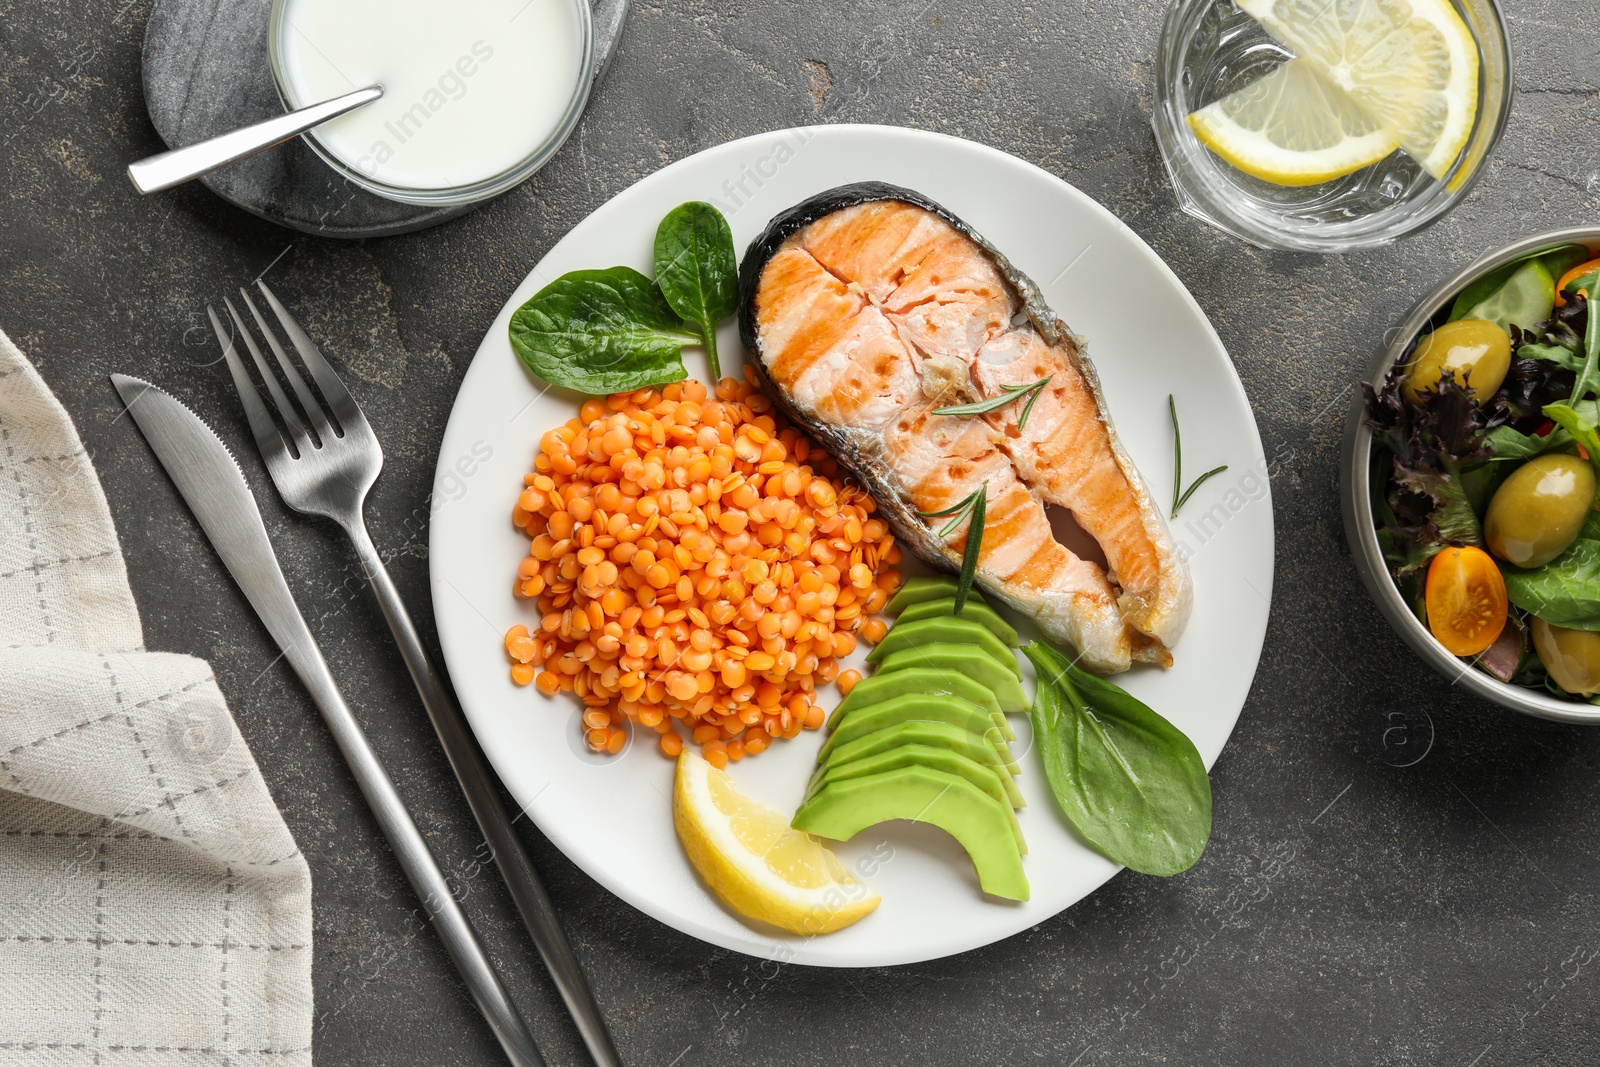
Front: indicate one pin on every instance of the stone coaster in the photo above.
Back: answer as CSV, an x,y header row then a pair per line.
x,y
206,72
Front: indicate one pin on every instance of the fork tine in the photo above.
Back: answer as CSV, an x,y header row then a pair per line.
x,y
269,439
339,399
286,411
308,400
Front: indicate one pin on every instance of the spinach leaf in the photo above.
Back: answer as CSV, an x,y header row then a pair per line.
x,y
1565,591
697,269
1128,780
601,331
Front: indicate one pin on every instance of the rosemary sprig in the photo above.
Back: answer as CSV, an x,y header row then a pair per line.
x,y
976,505
969,558
1179,497
958,510
1177,456
1198,482
1011,392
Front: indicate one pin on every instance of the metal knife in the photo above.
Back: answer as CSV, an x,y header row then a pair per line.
x,y
209,479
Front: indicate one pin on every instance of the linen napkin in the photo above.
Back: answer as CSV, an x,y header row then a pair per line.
x,y
154,910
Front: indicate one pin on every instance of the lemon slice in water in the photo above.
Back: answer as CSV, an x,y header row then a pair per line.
x,y
1293,127
1410,64
751,858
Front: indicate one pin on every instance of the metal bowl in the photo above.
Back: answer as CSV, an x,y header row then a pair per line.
x,y
1355,491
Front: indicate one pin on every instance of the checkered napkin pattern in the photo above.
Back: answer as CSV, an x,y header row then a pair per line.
x,y
154,910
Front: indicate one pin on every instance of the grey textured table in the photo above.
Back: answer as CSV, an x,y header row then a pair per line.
x,y
1349,911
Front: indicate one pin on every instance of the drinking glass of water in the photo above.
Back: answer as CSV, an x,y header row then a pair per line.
x,y
1328,125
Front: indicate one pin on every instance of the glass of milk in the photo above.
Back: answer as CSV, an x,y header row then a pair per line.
x,y
477,94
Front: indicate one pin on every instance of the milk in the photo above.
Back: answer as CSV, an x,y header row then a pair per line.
x,y
470,87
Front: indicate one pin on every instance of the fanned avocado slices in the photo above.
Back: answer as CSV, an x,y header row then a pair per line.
x,y
937,759
982,824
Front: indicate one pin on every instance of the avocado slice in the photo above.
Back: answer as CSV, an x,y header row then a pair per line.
x,y
930,587
921,756
929,707
842,809
881,687
975,747
974,663
945,630
976,610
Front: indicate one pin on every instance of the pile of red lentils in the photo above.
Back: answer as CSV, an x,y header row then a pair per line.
x,y
699,569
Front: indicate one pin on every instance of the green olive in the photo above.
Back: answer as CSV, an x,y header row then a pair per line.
x,y
1571,656
1537,511
1474,349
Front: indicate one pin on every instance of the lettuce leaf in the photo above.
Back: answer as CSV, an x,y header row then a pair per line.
x,y
1432,445
1565,591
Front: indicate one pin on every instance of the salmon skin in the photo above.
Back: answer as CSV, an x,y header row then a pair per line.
x,y
869,306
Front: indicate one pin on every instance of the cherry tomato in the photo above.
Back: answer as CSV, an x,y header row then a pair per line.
x,y
1466,600
1576,272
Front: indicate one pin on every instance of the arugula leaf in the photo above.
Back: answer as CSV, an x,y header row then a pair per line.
x,y
601,331
1565,591
1589,373
697,269
1580,426
1509,444
1558,354
1127,779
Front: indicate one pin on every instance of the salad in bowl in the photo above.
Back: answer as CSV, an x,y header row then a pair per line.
x,y
1471,477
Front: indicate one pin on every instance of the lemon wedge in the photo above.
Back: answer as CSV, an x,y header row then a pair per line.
x,y
751,858
1410,64
1293,127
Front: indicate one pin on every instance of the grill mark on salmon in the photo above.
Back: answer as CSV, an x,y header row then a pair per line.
x,y
868,307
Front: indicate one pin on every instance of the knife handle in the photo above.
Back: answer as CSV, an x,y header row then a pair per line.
x,y
478,783
412,852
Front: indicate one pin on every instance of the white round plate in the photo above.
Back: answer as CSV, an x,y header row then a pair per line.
x,y
1147,337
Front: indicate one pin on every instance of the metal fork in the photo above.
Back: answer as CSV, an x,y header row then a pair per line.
x,y
323,462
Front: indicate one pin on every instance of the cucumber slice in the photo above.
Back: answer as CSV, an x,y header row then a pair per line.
x,y
1560,260
1527,296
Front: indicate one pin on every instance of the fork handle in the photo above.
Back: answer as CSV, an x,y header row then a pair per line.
x,y
477,781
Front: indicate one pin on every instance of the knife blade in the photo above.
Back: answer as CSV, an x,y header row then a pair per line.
x,y
211,482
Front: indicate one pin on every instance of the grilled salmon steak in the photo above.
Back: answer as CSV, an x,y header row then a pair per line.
x,y
868,308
